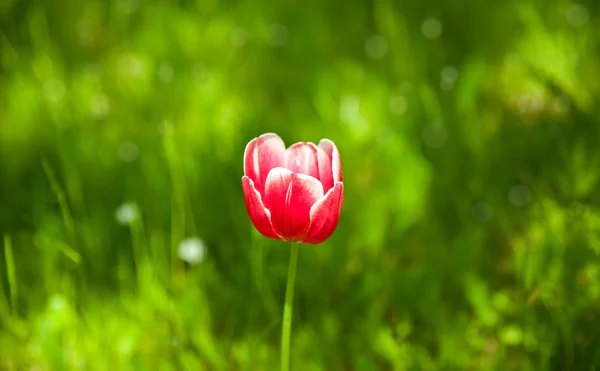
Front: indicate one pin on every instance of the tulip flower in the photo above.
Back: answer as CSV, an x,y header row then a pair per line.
x,y
295,194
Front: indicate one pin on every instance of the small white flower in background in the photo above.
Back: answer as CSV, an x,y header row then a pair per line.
x,y
127,213
192,250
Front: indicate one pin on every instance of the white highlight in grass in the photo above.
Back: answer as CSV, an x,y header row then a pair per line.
x,y
431,28
127,213
58,304
192,250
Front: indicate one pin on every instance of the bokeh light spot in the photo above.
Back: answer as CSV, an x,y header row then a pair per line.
x,y
128,151
201,74
54,90
128,6
434,135
99,105
529,104
192,250
511,335
238,37
431,28
449,75
92,72
127,213
376,47
165,128
349,109
559,104
86,32
165,73
519,195
577,15
576,209
482,212
131,65
277,35
398,105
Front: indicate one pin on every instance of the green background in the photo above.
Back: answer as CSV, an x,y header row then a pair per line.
x,y
468,131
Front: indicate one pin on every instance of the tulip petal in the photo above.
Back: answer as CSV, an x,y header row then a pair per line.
x,y
261,155
289,196
260,216
325,174
336,165
302,158
325,214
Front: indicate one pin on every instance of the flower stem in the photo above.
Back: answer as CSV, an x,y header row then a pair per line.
x,y
287,309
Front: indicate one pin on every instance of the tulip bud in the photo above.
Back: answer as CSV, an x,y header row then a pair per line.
x,y
293,194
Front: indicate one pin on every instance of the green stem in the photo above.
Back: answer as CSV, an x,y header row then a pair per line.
x,y
11,275
287,309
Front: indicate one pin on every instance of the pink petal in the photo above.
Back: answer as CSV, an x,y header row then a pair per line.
x,y
261,155
325,215
302,158
336,165
289,196
260,216
325,174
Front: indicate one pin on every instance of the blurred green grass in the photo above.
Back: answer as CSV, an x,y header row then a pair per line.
x,y
469,139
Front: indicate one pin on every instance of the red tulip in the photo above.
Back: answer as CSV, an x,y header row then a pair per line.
x,y
294,194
